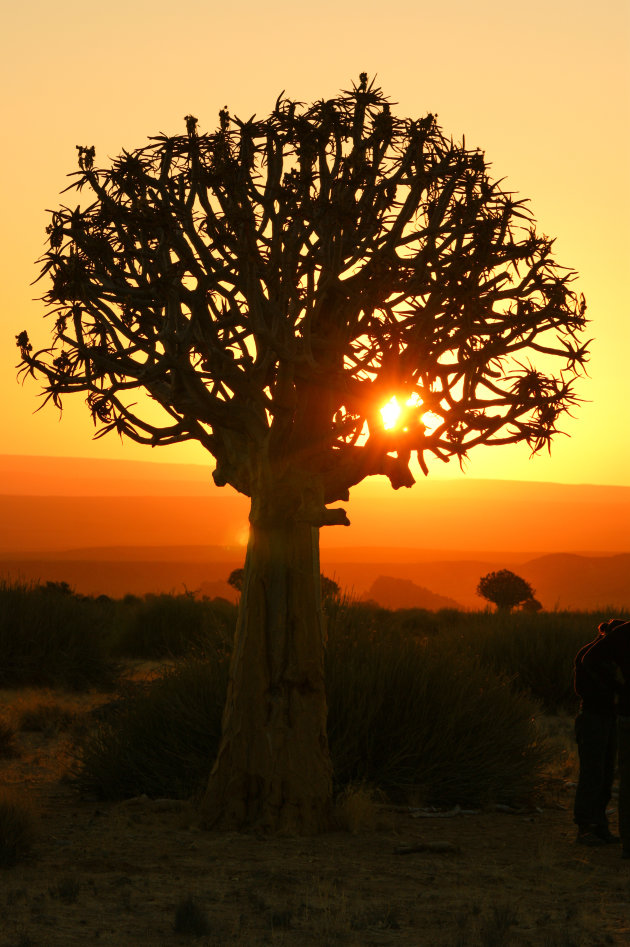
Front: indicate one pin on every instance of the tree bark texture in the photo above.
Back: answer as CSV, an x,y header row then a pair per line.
x,y
273,768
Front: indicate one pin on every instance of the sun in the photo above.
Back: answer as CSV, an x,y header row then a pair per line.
x,y
395,415
390,413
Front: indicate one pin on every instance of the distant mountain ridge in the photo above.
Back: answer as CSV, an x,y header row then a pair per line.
x,y
403,593
563,581
139,526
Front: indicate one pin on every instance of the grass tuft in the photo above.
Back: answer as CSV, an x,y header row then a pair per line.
x,y
495,929
17,827
50,637
356,809
159,738
47,717
191,918
8,748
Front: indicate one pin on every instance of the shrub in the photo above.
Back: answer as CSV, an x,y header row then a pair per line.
x,y
160,738
50,637
162,626
17,827
423,717
536,651
415,622
405,715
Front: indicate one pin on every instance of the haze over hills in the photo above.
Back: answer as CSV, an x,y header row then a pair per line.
x,y
560,580
404,593
118,526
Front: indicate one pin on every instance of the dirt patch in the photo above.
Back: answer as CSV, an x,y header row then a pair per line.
x,y
143,873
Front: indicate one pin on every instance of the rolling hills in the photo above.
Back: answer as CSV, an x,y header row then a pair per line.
x,y
122,526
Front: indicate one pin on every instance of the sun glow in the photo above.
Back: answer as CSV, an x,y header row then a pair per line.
x,y
390,413
394,414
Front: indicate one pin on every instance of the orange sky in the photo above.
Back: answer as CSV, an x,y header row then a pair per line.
x,y
544,92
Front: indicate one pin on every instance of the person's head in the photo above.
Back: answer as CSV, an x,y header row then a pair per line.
x,y
606,626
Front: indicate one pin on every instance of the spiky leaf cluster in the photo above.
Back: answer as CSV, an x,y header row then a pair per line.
x,y
271,284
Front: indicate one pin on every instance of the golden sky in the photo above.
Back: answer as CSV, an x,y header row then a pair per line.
x,y
542,88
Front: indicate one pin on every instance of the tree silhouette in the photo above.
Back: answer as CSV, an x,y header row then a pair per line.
x,y
506,590
531,605
235,579
331,590
271,286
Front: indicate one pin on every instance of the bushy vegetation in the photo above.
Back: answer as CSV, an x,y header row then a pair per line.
x,y
161,626
411,715
535,651
414,707
422,717
47,717
407,721
438,706
160,737
50,637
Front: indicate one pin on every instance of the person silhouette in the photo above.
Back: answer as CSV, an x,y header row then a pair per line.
x,y
598,664
596,737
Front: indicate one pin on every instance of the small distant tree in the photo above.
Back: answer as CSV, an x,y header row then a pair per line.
x,y
271,286
506,590
330,588
531,605
235,579
63,588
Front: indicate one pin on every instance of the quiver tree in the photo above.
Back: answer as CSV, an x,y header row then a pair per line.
x,y
271,286
506,590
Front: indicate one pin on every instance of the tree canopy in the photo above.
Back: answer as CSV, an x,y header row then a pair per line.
x,y
506,590
272,284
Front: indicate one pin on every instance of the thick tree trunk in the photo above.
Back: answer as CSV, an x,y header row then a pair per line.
x,y
273,768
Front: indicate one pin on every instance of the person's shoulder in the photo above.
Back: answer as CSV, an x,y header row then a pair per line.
x,y
597,649
583,650
620,634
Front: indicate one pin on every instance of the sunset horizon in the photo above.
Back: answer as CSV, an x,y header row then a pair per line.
x,y
527,135
345,660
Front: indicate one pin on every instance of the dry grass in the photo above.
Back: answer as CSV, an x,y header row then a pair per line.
x,y
126,874
356,809
8,746
18,826
47,717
